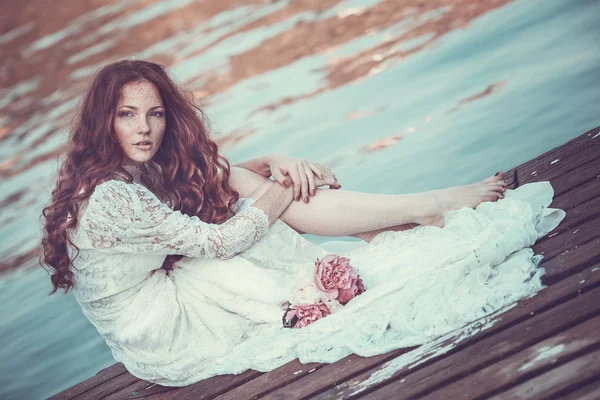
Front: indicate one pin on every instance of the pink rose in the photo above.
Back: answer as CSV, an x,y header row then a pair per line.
x,y
334,275
301,316
356,288
309,314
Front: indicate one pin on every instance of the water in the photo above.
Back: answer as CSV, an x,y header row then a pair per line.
x,y
392,119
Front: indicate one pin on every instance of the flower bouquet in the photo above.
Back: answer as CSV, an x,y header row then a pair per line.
x,y
336,282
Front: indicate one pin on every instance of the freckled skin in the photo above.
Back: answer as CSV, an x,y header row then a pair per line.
x,y
140,116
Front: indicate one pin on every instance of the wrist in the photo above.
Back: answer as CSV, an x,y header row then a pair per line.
x,y
266,164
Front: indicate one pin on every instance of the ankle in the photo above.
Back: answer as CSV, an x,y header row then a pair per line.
x,y
430,205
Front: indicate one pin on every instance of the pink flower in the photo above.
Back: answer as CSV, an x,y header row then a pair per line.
x,y
356,288
309,314
301,316
334,275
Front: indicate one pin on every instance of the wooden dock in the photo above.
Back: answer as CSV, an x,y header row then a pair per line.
x,y
547,346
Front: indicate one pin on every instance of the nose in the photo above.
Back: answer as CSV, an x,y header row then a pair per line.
x,y
143,126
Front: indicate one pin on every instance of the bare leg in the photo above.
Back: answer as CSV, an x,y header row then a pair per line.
x,y
368,236
345,213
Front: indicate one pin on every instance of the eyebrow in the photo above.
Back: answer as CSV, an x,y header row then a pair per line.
x,y
135,108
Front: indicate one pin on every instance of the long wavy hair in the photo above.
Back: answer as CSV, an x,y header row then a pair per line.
x,y
191,175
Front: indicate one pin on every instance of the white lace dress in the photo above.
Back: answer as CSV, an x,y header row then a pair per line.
x,y
219,310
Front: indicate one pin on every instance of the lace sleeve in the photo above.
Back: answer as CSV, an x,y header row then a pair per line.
x,y
129,218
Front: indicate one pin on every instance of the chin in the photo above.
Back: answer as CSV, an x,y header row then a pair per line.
x,y
141,159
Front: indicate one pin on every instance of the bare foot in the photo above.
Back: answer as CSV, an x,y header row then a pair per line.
x,y
490,189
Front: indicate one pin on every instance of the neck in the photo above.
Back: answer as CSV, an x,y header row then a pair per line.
x,y
136,171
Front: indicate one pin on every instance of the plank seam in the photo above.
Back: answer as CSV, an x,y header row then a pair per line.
x,y
108,393
579,244
542,370
271,390
594,215
57,396
514,179
356,373
240,383
561,174
575,386
550,280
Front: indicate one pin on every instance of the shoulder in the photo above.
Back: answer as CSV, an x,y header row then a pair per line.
x,y
114,189
115,197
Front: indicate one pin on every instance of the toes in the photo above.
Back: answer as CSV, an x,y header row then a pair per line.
x,y
490,179
496,188
498,177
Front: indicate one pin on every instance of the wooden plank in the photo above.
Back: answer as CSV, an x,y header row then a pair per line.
x,y
418,381
142,389
578,212
569,239
114,370
562,379
577,215
330,374
108,388
580,175
541,163
565,165
101,378
568,263
591,391
213,387
580,195
529,362
270,381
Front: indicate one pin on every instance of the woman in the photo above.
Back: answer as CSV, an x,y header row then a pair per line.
x,y
186,266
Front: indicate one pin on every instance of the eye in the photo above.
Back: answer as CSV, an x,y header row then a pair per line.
x,y
125,114
158,114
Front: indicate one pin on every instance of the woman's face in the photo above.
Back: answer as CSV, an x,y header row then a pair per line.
x,y
140,122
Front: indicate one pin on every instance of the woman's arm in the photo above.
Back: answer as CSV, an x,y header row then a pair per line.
x,y
129,218
294,171
260,165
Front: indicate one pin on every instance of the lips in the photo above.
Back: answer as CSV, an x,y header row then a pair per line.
x,y
142,143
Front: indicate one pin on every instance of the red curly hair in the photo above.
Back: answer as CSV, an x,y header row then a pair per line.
x,y
191,173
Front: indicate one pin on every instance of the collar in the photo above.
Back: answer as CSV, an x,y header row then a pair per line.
x,y
136,171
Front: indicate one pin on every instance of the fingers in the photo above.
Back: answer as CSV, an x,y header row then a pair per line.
x,y
315,168
329,181
304,184
279,175
311,179
336,184
294,174
328,174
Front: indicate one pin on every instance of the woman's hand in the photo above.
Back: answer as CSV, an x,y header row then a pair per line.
x,y
304,175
